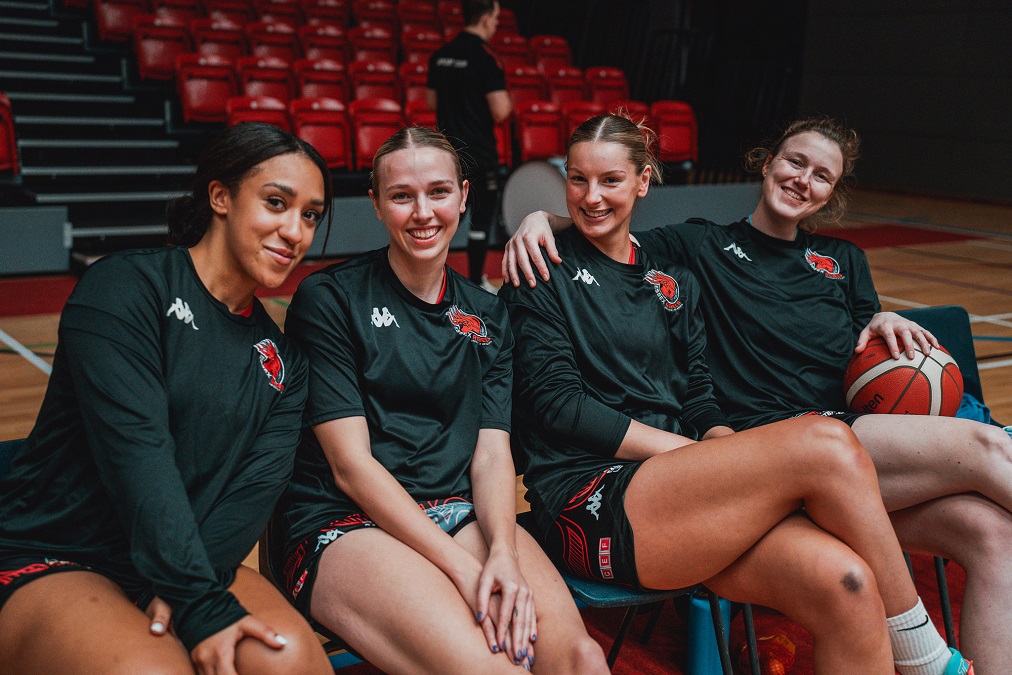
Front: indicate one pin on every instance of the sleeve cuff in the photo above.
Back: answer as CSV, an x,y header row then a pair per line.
x,y
206,617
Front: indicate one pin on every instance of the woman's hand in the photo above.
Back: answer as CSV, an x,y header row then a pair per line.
x,y
892,327
515,618
161,616
524,246
215,655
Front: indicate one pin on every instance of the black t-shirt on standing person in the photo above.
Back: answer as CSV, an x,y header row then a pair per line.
x,y
463,72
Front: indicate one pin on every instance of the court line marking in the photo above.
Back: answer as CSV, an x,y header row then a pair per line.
x,y
994,364
28,354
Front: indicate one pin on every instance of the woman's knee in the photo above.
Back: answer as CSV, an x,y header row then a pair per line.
x,y
302,655
993,442
842,591
585,656
829,447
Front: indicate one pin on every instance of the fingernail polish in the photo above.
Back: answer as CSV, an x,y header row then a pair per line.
x,y
280,639
534,638
480,615
495,649
527,668
157,627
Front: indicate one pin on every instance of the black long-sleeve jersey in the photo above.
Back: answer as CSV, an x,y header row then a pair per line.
x,y
782,316
165,437
600,344
427,378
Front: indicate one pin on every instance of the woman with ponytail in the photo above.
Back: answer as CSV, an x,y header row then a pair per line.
x,y
166,435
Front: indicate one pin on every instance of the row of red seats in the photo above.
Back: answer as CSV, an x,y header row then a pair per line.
x,y
546,52
602,84
8,142
205,82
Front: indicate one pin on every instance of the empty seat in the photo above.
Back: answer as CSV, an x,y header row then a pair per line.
x,y
323,123
272,39
413,78
539,130
450,14
237,12
323,41
372,43
219,37
504,141
321,78
373,120
265,76
115,17
375,13
511,49
8,140
550,51
334,12
420,44
279,11
373,79
575,113
419,114
525,83
418,14
677,135
204,82
508,21
156,46
565,84
176,11
257,109
607,86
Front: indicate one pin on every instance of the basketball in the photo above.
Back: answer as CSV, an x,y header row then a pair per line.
x,y
928,384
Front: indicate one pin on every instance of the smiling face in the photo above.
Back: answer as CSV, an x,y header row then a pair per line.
x,y
799,179
269,221
419,199
602,186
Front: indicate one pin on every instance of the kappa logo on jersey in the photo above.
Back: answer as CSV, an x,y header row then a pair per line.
x,y
182,312
735,249
824,264
383,320
468,325
271,362
585,276
666,289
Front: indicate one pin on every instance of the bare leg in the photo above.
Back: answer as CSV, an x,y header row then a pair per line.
x,y
846,618
696,509
81,622
919,458
976,533
302,655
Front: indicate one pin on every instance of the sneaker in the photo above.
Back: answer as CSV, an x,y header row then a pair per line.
x,y
1008,430
487,285
958,665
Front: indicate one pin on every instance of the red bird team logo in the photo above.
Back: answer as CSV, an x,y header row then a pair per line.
x,y
666,289
823,264
468,325
271,362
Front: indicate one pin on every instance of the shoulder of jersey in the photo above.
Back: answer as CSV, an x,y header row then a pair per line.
x,y
475,295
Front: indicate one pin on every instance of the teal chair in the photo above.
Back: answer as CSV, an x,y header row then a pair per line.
x,y
7,451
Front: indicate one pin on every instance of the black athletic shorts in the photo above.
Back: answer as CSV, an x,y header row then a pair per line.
x,y
19,570
299,573
847,418
592,537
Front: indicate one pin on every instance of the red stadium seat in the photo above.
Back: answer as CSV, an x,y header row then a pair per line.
x,y
115,17
539,128
550,51
237,12
8,141
214,36
373,79
677,136
156,46
323,123
575,113
413,80
504,142
323,41
279,11
176,11
511,49
272,39
565,84
637,111
418,14
257,109
204,82
508,21
265,76
321,78
525,83
450,13
419,114
375,13
374,43
373,120
420,44
608,86
333,12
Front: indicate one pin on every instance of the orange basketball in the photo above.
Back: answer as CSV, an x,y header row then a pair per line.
x,y
928,384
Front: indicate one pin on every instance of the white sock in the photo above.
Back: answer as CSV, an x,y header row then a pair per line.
x,y
918,649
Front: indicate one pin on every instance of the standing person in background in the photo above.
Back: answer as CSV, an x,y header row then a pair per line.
x,y
467,89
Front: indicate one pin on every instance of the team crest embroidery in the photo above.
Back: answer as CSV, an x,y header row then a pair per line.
x,y
666,289
271,362
468,325
824,264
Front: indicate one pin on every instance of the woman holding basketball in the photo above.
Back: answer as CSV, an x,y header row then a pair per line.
x,y
398,530
130,499
779,299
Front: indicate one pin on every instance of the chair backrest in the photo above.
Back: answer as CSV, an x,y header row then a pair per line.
x,y
272,39
550,51
525,83
114,17
157,43
265,76
951,325
375,13
508,21
565,83
677,135
237,12
334,12
373,79
417,13
512,49
576,113
413,78
8,140
608,86
216,36
204,83
257,109
420,44
323,123
372,43
418,114
539,128
504,141
323,41
373,120
279,11
8,449
321,78
176,11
